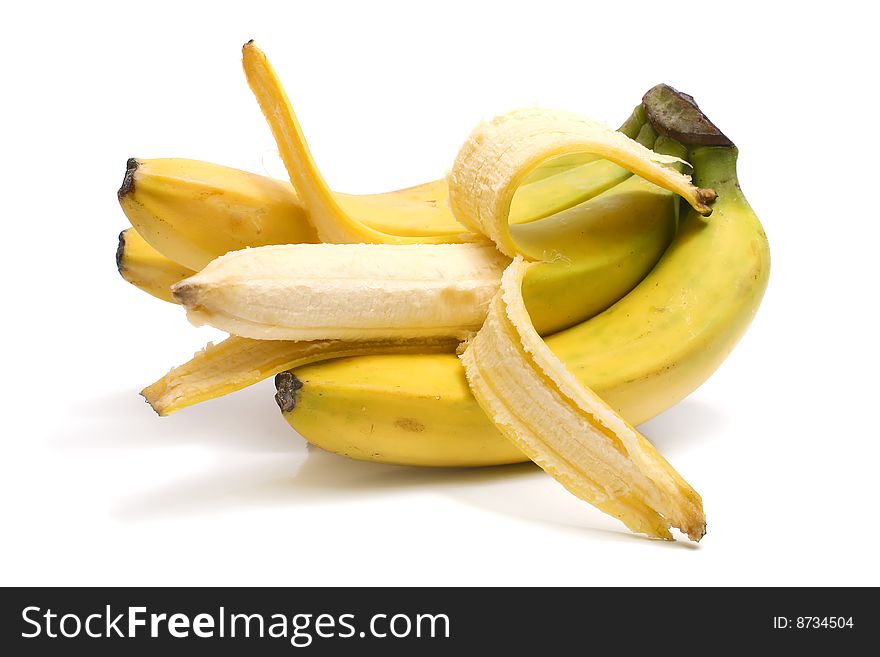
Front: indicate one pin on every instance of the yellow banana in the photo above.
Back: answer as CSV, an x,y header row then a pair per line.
x,y
239,362
193,212
642,355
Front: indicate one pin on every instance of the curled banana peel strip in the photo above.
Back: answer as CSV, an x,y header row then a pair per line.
x,y
238,362
499,154
566,428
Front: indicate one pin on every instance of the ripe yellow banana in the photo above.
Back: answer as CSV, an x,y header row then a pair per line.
x,y
192,212
239,362
642,355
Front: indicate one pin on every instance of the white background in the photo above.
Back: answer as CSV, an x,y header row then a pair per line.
x,y
782,442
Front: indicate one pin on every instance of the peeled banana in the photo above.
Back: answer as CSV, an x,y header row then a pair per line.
x,y
346,291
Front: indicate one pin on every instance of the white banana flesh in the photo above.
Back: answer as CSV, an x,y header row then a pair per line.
x,y
346,292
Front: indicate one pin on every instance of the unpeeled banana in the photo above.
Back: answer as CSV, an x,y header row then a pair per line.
x,y
192,212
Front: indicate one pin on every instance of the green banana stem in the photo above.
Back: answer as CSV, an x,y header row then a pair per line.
x,y
716,166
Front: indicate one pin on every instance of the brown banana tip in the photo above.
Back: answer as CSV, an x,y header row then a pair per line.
x,y
128,181
675,114
186,293
246,45
120,252
706,197
287,386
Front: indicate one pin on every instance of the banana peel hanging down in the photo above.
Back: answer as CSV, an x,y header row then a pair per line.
x,y
566,428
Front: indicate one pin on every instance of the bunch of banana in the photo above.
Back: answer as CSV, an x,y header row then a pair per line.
x,y
540,229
